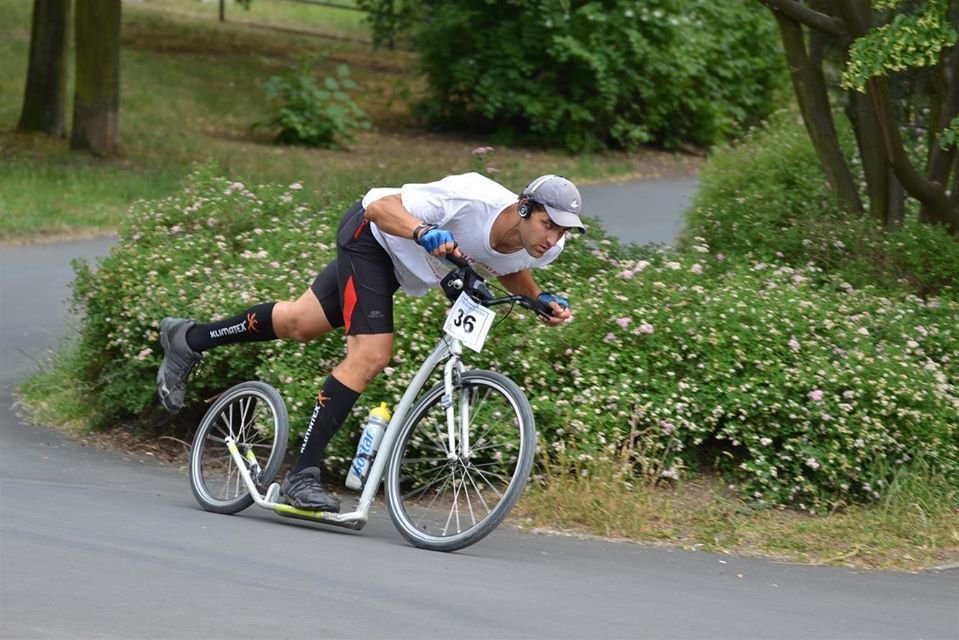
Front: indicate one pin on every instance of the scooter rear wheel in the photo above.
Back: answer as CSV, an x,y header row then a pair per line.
x,y
254,414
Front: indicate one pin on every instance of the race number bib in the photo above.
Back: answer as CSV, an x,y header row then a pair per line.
x,y
469,322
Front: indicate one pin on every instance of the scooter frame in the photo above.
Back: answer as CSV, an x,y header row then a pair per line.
x,y
449,349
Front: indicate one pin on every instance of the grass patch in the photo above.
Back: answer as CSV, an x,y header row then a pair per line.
x,y
65,193
53,394
191,88
916,526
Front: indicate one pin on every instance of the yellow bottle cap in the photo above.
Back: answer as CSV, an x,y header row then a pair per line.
x,y
382,411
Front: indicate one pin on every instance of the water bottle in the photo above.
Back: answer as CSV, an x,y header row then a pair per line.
x,y
369,442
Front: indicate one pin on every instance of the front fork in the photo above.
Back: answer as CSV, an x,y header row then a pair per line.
x,y
452,373
252,466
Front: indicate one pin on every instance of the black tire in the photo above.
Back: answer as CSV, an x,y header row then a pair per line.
x,y
255,415
442,502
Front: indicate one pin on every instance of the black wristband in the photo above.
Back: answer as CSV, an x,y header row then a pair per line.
x,y
422,228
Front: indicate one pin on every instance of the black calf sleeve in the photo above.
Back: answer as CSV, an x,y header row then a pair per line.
x,y
333,405
253,325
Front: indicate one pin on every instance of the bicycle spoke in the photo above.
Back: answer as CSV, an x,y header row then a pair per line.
x,y
436,496
244,404
466,493
423,460
485,475
420,491
479,493
454,508
493,445
438,439
228,421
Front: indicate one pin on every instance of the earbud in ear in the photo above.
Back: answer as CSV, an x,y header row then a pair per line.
x,y
523,208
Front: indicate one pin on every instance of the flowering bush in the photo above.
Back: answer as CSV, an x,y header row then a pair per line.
x,y
215,247
801,393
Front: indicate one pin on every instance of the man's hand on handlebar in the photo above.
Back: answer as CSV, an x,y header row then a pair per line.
x,y
559,306
549,307
439,243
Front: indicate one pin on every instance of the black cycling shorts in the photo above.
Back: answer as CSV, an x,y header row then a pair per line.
x,y
356,289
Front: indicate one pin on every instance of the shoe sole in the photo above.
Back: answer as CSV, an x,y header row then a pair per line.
x,y
293,502
313,507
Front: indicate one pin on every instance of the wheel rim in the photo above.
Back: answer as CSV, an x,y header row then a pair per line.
x,y
443,496
252,421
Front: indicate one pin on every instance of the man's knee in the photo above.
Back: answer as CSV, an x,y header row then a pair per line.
x,y
291,323
370,356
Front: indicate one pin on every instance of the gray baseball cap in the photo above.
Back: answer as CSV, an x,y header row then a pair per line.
x,y
560,197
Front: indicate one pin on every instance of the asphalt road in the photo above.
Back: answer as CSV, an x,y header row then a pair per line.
x,y
99,545
641,212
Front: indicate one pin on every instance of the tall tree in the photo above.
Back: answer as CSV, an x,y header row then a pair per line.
x,y
96,103
44,99
882,45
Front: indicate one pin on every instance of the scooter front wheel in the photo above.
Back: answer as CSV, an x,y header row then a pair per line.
x,y
444,497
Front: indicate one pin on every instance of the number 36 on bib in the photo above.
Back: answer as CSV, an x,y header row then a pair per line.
x,y
469,322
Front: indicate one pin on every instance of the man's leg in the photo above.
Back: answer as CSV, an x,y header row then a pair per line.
x,y
302,320
366,356
183,341
253,325
365,284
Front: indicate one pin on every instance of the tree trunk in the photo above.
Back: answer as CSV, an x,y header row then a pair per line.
x,y
931,195
44,99
814,104
96,104
896,211
886,196
941,161
954,188
873,116
874,168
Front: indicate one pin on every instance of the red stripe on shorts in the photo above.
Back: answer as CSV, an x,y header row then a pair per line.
x,y
359,229
349,302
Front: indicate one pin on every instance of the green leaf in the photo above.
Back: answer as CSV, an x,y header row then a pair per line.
x,y
910,41
950,135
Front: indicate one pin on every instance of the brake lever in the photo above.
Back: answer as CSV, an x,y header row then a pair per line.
x,y
483,290
541,309
456,260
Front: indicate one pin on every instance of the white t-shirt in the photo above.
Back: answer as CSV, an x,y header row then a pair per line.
x,y
465,205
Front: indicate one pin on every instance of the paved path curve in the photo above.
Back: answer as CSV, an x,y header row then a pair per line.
x,y
99,545
641,212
